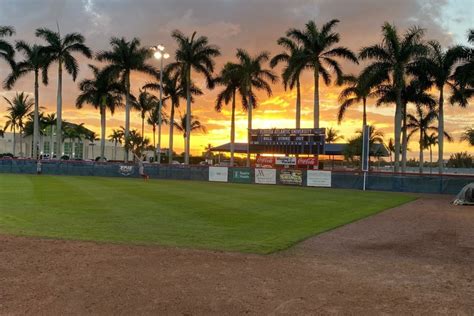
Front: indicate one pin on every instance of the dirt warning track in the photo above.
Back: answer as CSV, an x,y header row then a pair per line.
x,y
417,258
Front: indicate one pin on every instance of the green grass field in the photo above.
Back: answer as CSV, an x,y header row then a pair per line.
x,y
235,217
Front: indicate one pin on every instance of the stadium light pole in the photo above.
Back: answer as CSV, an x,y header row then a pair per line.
x,y
160,55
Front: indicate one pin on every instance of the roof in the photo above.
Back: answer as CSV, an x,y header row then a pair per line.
x,y
336,149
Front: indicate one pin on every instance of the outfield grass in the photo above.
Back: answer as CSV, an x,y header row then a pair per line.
x,y
235,217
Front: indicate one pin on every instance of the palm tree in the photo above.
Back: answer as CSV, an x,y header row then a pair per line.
x,y
2,132
392,59
35,61
421,122
432,140
19,108
144,104
332,135
103,92
49,121
174,90
125,57
391,148
193,54
253,77
74,132
7,52
295,60
136,143
468,136
155,119
319,55
359,90
463,77
439,65
230,79
60,49
116,137
181,125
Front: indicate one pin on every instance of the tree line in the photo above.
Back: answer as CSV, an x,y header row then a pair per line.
x,y
403,68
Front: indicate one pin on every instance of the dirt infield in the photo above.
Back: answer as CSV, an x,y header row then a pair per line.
x,y
415,259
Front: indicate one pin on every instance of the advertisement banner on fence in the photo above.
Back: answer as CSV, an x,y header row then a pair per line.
x,y
264,162
285,161
241,175
318,178
293,177
265,176
308,161
218,174
125,170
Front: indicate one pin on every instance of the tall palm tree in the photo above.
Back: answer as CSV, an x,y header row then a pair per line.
x,y
294,58
253,77
35,61
230,79
7,52
116,137
463,77
439,66
414,92
421,122
193,53
391,60
60,49
19,108
154,119
359,89
319,55
49,122
145,103
181,125
103,92
173,89
432,140
125,57
468,136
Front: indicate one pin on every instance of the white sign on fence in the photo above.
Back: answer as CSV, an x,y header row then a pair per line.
x,y
218,174
318,178
265,176
285,161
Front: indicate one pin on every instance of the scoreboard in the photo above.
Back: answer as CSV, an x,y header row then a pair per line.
x,y
305,141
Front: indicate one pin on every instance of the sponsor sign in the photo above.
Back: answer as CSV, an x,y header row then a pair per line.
x,y
241,175
293,177
265,176
318,178
264,162
125,170
287,161
218,174
309,161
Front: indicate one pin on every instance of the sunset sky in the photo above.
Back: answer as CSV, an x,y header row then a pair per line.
x,y
231,24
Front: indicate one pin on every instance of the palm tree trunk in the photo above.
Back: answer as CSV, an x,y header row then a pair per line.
x,y
14,140
127,112
440,130
154,141
21,141
51,145
397,124
115,150
421,150
59,109
188,117
34,153
316,97
143,126
232,130
298,103
404,138
103,114
170,145
249,127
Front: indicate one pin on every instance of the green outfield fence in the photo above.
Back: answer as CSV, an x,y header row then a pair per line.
x,y
381,181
